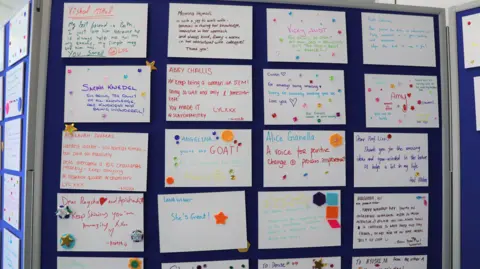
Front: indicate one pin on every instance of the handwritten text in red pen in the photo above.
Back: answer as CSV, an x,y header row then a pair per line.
x,y
88,11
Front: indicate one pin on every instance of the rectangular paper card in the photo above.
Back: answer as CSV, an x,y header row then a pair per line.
x,y
390,39
299,219
13,145
1,97
10,250
208,158
210,265
14,91
476,87
202,221
303,158
390,220
390,262
401,101
210,31
11,200
209,93
104,161
313,36
471,40
102,222
294,263
304,97
18,35
107,94
391,160
94,263
104,30
2,50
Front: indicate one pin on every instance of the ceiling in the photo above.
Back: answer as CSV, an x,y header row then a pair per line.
x,y
9,7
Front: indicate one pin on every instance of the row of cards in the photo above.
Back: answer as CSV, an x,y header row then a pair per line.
x,y
217,221
379,262
226,32
223,158
224,93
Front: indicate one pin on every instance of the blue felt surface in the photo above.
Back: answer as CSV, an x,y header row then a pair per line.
x,y
3,224
469,148
157,50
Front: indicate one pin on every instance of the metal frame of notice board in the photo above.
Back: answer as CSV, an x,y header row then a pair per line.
x,y
48,126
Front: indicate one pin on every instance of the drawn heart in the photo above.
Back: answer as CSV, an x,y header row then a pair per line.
x,y
409,95
102,200
283,73
293,101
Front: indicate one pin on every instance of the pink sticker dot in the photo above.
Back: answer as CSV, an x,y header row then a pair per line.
x,y
377,99
369,89
69,71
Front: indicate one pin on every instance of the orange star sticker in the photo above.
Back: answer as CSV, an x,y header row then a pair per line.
x,y
70,128
151,65
221,218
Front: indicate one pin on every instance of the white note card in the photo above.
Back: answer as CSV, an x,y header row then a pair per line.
x,y
209,93
303,97
14,91
390,220
390,39
402,101
11,200
294,263
10,250
313,36
107,94
391,160
18,35
303,158
208,158
2,48
235,264
210,31
101,221
104,161
390,262
94,263
202,221
476,87
13,144
471,40
299,219
104,30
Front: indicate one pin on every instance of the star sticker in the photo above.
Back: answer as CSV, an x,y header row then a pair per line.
x,y
244,249
70,128
67,240
144,94
319,264
221,218
63,212
151,65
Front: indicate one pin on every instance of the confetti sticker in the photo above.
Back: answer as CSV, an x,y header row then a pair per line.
x,y
274,20
369,89
136,236
290,13
227,136
221,218
125,76
144,94
295,119
334,20
333,54
274,115
339,32
134,263
392,86
377,99
284,177
281,39
389,136
297,57
102,200
69,71
419,102
151,65
67,241
63,212
469,23
336,140
170,180
70,128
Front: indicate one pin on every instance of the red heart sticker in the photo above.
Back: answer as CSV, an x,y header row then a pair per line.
x,y
409,95
102,200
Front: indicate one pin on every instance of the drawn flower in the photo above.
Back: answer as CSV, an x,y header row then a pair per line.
x,y
336,140
134,263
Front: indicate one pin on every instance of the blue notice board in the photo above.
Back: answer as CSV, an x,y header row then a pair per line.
x,y
157,50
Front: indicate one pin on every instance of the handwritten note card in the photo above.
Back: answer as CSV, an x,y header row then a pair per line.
x,y
13,145
209,93
294,263
390,39
471,40
202,221
10,250
391,160
306,36
234,264
102,30
210,31
476,87
18,35
303,97
401,101
94,263
11,200
208,158
104,161
303,158
390,220
14,91
2,49
299,219
101,222
390,262
107,94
